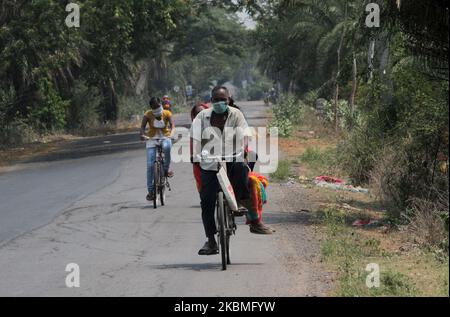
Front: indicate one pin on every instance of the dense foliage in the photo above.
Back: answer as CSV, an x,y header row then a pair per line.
x,y
55,78
385,88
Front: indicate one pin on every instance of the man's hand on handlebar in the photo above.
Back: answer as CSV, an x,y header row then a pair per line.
x,y
144,137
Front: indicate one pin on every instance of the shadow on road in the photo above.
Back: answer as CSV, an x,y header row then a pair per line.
x,y
198,266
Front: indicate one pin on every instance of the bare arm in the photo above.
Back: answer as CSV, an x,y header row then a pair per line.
x,y
195,149
143,126
195,139
172,126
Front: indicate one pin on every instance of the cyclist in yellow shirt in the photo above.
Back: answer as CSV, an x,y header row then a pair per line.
x,y
161,128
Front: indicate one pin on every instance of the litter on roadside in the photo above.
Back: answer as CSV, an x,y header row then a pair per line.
x,y
366,223
329,179
290,182
303,179
338,184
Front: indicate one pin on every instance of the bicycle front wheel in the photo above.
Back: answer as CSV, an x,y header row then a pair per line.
x,y
162,187
156,176
229,230
222,231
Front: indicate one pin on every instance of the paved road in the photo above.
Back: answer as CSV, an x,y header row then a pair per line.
x,y
39,191
91,210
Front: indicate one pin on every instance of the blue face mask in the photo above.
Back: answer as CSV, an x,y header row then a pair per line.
x,y
220,107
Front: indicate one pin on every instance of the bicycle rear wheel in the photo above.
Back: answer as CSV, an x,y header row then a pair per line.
x,y
222,231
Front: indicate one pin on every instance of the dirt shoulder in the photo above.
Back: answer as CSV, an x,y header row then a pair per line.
x,y
298,238
46,145
122,136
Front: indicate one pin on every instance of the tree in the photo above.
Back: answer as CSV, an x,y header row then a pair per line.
x,y
114,35
212,47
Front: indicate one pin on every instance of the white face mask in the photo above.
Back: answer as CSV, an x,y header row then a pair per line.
x,y
158,112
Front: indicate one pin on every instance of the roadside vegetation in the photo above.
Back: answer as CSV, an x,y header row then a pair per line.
x,y
403,271
283,171
380,124
98,78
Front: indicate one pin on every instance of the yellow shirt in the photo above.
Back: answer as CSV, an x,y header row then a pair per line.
x,y
166,115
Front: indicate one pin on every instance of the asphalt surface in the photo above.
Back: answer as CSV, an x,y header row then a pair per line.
x,y
85,204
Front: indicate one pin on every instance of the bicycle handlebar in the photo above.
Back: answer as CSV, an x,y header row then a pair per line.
x,y
161,139
222,158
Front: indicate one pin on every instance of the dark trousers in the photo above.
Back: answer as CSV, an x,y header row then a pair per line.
x,y
238,175
252,157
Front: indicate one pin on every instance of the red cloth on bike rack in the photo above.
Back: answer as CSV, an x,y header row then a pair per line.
x,y
257,184
197,172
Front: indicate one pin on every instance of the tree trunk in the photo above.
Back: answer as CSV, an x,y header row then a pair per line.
x,y
338,72
354,86
336,101
109,103
336,80
291,87
370,57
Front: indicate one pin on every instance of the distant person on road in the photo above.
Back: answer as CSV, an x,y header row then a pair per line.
x,y
219,116
161,127
167,105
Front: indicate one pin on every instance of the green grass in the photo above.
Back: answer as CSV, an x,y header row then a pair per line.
x,y
319,160
392,284
348,252
283,170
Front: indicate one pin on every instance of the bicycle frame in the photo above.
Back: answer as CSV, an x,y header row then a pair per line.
x,y
160,181
224,215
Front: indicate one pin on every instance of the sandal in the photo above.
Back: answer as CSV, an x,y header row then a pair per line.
x,y
261,228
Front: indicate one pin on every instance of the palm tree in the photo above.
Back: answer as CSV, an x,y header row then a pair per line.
x,y
425,24
334,25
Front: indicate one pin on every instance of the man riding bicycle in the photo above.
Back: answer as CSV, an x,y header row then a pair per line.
x,y
221,130
161,129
